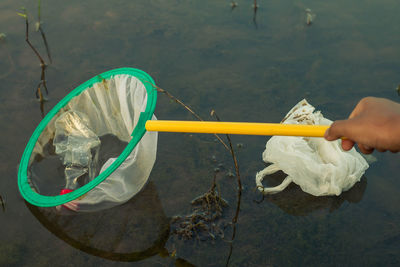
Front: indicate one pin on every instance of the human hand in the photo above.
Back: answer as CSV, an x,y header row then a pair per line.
x,y
373,124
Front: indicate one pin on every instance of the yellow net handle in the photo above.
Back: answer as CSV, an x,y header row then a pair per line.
x,y
243,128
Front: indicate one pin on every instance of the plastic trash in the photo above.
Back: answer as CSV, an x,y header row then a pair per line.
x,y
74,142
310,16
318,166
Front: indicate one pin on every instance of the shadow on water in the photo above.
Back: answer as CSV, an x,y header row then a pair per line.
x,y
131,232
295,202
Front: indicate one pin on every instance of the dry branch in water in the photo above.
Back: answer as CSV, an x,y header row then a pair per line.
x,y
187,108
239,193
42,84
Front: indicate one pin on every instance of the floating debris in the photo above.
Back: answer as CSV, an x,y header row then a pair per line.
x,y
398,89
239,145
233,4
210,202
230,174
203,222
310,16
3,36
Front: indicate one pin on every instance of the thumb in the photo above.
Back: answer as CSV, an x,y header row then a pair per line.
x,y
336,130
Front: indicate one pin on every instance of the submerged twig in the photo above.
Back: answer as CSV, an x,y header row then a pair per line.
x,y
187,108
239,193
177,101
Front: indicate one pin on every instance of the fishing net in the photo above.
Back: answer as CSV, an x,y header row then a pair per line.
x,y
67,160
319,167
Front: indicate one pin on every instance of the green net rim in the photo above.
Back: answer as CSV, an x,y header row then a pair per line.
x,y
50,201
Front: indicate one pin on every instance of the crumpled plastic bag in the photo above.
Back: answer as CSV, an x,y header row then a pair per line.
x,y
74,141
318,166
74,138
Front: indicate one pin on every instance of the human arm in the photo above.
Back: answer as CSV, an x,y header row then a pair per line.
x,y
373,124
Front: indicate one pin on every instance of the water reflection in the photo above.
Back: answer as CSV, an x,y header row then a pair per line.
x,y
131,232
294,201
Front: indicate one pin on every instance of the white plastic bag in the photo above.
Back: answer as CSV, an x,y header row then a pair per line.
x,y
318,166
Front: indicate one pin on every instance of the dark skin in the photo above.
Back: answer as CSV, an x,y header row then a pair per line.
x,y
373,124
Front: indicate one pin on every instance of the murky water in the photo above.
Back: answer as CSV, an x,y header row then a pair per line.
x,y
248,67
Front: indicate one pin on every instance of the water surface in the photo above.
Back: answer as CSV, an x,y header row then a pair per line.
x,y
247,68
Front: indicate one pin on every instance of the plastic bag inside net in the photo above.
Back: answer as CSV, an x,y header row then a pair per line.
x,y
318,166
86,136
